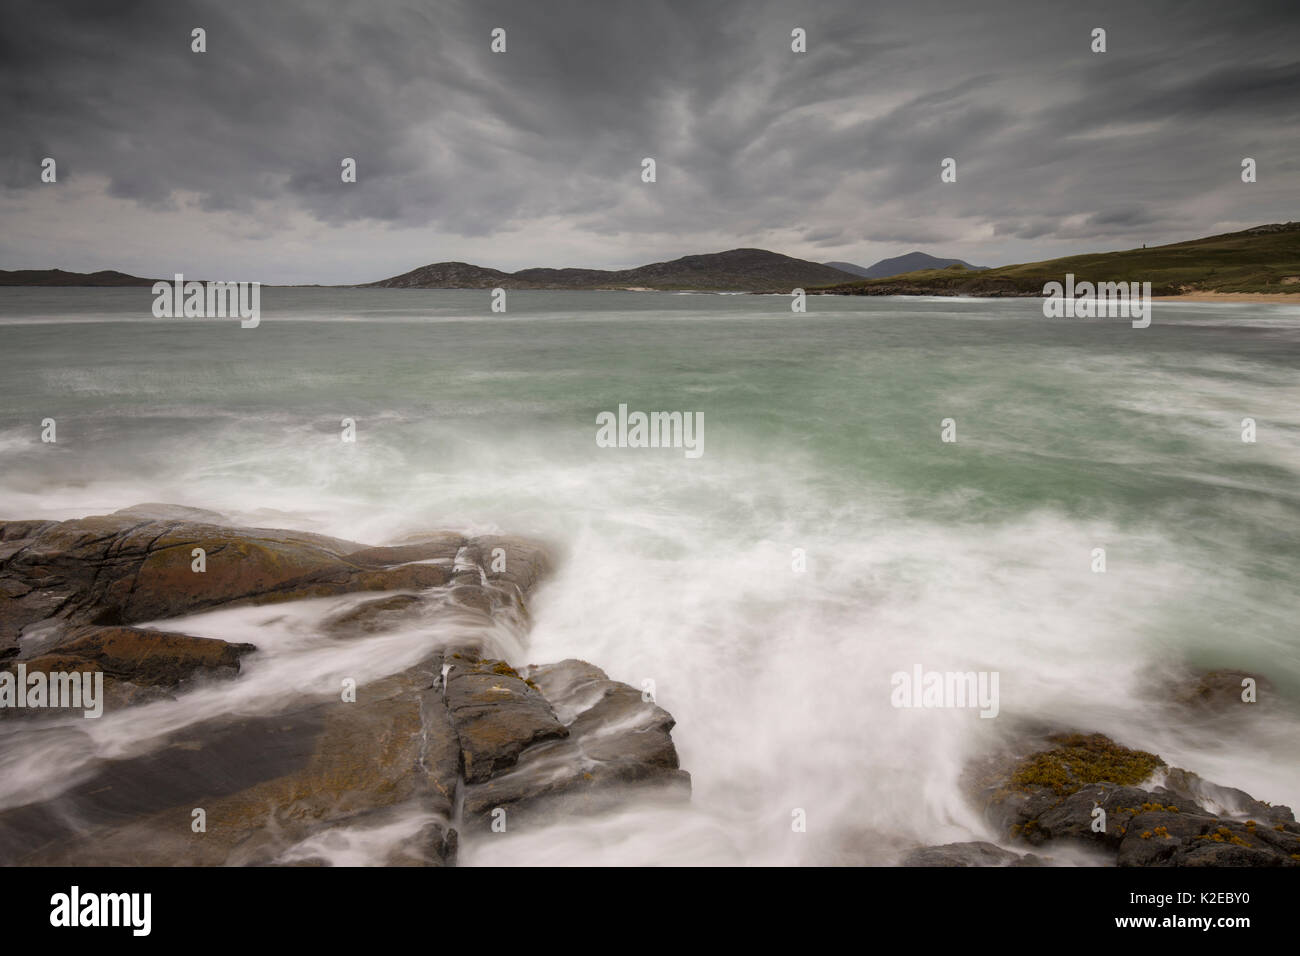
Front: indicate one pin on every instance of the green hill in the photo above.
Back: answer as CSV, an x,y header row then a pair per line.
x,y
1264,259
741,270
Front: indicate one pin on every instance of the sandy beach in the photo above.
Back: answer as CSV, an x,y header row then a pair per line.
x,y
1292,298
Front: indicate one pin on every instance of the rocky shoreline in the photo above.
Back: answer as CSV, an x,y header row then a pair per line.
x,y
463,743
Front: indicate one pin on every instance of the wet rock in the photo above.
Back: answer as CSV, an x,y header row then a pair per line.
x,y
1177,839
323,774
1154,815
1190,788
563,683
434,845
146,657
1226,854
1073,817
1219,692
161,511
136,565
1153,838
406,576
1019,793
496,715
139,665
266,785
508,560
618,745
968,854
378,614
439,547
472,596
440,755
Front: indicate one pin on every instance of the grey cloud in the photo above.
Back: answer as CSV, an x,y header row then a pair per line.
x,y
831,149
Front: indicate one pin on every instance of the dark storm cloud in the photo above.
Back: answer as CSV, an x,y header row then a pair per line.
x,y
834,148
1122,216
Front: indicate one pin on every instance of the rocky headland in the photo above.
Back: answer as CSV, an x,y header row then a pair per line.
x,y
464,742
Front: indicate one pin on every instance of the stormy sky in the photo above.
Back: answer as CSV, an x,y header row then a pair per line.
x,y
226,164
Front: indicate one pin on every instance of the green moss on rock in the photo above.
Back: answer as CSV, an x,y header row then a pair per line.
x,y
1081,759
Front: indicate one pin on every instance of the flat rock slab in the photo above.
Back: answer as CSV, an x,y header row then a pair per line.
x,y
377,614
265,784
134,566
142,655
139,665
496,715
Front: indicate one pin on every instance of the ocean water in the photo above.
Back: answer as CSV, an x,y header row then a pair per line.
x,y
822,437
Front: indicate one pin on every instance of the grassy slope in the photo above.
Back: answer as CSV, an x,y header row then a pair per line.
x,y
1257,260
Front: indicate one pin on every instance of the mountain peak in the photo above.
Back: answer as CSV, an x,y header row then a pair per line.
x,y
911,262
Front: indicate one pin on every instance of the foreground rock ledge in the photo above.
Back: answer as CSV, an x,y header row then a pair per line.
x,y
1151,814
455,744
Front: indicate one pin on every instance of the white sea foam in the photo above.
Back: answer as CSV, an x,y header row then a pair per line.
x,y
825,439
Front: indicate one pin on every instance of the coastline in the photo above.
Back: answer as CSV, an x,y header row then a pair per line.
x,y
1281,298
445,740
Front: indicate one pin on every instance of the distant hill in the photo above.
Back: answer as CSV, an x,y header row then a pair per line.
x,y
444,275
911,262
849,267
59,277
737,270
1263,259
